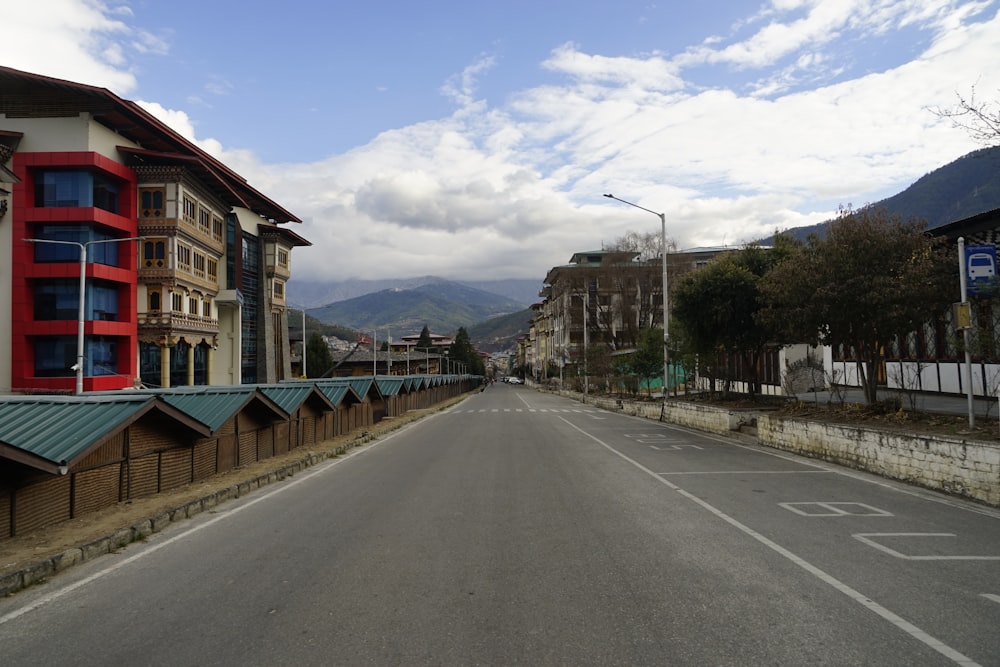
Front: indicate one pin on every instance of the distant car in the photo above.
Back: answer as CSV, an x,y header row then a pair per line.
x,y
514,380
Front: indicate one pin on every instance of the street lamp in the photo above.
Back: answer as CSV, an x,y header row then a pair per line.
x,y
81,312
666,298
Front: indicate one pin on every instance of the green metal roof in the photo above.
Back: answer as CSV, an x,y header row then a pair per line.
x,y
390,385
213,406
52,431
361,384
290,396
339,393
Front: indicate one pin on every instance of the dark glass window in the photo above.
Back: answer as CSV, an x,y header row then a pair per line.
x,y
60,300
55,356
97,253
178,364
75,188
149,364
250,288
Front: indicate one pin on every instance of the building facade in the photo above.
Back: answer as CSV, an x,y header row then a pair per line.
x,y
181,264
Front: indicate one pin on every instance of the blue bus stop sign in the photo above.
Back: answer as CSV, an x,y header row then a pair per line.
x,y
981,275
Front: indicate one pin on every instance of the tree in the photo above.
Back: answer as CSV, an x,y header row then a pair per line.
x,y
425,338
647,362
871,278
980,119
318,357
462,351
717,307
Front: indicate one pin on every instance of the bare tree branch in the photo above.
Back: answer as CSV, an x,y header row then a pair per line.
x,y
981,120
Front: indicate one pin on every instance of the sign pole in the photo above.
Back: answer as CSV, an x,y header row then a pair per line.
x,y
966,339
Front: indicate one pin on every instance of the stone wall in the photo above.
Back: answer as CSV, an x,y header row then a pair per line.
x,y
960,467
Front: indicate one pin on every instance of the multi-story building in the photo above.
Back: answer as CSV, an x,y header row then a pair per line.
x,y
602,297
181,263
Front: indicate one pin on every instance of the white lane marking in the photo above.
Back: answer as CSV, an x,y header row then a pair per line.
x,y
749,472
864,537
672,447
833,509
991,596
900,622
288,483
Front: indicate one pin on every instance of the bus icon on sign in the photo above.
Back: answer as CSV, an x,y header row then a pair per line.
x,y
981,272
982,266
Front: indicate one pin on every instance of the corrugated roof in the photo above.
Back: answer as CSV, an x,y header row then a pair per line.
x,y
290,396
51,431
361,384
213,406
339,393
389,385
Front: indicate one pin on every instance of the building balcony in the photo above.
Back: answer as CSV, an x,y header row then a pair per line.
x,y
177,323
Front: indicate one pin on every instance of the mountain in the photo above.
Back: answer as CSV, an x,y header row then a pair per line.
x,y
500,334
524,292
442,306
960,189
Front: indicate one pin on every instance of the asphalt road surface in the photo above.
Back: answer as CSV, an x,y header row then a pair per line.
x,y
523,528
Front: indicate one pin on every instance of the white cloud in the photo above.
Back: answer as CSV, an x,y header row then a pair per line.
x,y
510,191
71,39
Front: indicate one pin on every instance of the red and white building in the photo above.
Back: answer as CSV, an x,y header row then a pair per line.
x,y
184,263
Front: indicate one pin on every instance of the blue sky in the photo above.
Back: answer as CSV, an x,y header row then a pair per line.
x,y
473,140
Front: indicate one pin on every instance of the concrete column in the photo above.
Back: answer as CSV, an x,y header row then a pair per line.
x,y
165,366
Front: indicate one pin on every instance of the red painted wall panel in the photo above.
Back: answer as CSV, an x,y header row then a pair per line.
x,y
24,271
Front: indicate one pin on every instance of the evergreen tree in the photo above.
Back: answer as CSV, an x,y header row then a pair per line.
x,y
318,357
425,338
462,351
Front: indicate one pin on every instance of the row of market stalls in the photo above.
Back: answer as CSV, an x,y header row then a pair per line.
x,y
64,456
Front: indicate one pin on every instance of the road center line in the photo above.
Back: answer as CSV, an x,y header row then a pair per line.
x,y
830,580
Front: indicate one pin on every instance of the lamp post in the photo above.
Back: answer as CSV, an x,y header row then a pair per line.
x,y
666,298
81,311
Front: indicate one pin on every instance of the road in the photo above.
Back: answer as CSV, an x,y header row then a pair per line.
x,y
523,528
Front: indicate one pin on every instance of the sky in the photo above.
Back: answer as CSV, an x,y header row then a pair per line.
x,y
473,140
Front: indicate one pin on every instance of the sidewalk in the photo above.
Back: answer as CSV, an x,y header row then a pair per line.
x,y
945,404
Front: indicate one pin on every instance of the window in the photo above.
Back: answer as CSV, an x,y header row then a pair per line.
x,y
97,253
154,254
282,257
279,289
204,221
153,299
151,202
183,257
177,302
213,270
217,229
199,264
190,210
192,305
70,188
206,308
55,356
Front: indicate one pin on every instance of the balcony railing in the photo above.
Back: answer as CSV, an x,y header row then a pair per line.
x,y
170,321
